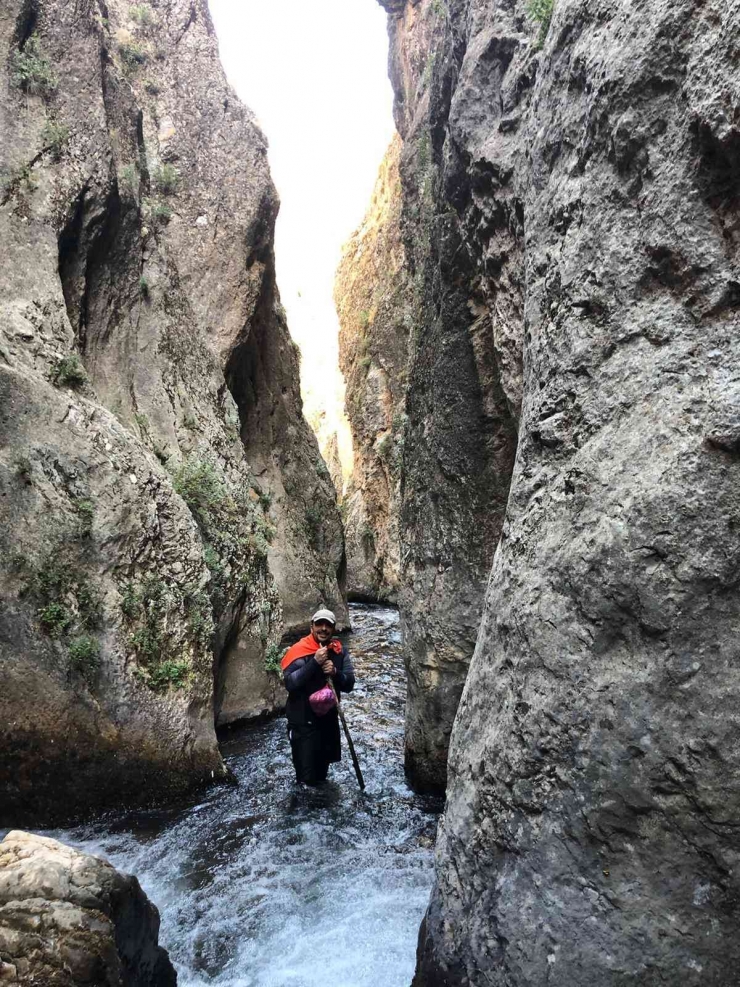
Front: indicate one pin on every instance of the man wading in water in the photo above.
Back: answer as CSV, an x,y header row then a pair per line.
x,y
313,723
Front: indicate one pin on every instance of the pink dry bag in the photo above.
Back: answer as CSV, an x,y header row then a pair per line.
x,y
322,701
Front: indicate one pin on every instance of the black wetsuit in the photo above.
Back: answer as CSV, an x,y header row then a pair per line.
x,y
314,740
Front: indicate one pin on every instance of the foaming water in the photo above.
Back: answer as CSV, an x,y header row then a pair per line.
x,y
268,885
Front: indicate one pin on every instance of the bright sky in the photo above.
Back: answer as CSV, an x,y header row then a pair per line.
x,y
315,74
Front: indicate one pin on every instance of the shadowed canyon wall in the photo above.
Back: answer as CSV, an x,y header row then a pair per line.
x,y
571,217
166,514
371,294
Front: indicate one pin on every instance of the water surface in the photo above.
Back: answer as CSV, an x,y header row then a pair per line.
x,y
269,885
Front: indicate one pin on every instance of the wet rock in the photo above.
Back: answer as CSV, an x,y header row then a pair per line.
x,y
67,918
166,514
584,196
371,295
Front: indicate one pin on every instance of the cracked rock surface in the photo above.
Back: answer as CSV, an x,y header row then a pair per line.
x,y
166,515
587,178
67,918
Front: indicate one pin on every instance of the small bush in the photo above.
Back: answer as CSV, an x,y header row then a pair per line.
x,y
55,136
89,605
540,11
55,618
146,642
160,212
86,514
130,602
314,520
143,287
273,657
32,71
69,371
166,179
152,88
167,673
143,15
133,54
84,653
197,482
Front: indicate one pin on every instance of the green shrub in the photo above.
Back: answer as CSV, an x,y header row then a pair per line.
x,y
55,618
143,15
540,11
152,88
31,71
147,642
211,559
166,179
159,212
133,54
197,482
314,520
84,653
167,673
55,136
130,602
86,514
200,615
89,605
69,371
143,287
273,657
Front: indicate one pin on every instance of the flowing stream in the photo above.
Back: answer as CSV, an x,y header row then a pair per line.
x,y
268,885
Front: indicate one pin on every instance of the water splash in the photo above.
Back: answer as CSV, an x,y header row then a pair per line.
x,y
268,885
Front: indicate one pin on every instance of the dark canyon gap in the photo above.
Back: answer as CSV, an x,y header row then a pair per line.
x,y
165,511
568,471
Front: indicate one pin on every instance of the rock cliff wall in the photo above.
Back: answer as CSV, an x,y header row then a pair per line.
x,y
584,200
460,400
67,918
166,515
372,300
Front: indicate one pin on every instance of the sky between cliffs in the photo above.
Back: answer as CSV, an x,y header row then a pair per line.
x,y
315,75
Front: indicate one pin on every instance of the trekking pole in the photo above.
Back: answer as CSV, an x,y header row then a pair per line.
x,y
360,779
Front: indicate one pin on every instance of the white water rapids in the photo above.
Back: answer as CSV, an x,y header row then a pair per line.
x,y
264,885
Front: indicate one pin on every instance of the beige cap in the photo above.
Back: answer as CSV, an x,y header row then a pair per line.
x,y
324,615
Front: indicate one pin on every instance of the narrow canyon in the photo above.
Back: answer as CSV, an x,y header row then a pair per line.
x,y
538,317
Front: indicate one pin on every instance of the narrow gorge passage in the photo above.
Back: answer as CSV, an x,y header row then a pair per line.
x,y
263,885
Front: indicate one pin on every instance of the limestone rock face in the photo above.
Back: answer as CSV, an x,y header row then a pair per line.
x,y
589,174
459,427
166,515
67,918
372,299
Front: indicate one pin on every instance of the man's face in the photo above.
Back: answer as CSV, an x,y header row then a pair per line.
x,y
322,631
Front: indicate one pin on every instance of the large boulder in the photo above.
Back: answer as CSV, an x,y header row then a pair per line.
x,y
68,919
166,515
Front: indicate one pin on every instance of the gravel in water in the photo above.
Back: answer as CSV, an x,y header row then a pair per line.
x,y
269,885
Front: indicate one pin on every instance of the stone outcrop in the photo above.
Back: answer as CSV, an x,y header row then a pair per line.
x,y
372,299
456,454
67,918
166,515
582,198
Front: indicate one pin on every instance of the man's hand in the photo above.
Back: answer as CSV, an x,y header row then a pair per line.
x,y
327,665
